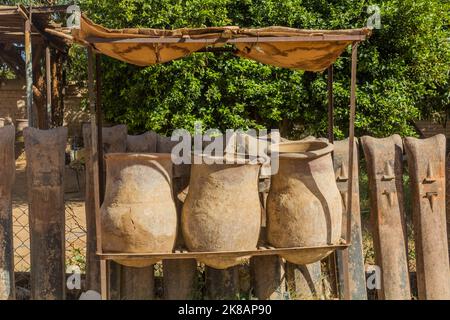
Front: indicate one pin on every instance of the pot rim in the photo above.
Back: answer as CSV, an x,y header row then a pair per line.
x,y
320,148
139,155
258,160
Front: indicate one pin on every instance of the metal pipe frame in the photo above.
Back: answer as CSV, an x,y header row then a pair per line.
x,y
95,118
318,38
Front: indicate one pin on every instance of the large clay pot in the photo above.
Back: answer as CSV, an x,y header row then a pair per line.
x,y
138,214
304,207
222,211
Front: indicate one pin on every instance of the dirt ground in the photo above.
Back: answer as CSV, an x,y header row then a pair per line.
x,y
75,217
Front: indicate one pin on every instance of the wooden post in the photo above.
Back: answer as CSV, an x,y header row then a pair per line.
x,y
45,152
137,283
267,272
179,275
268,277
426,161
222,284
305,281
354,254
447,189
29,72
48,78
7,170
384,159
180,279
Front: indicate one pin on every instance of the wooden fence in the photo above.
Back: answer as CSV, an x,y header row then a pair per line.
x,y
264,277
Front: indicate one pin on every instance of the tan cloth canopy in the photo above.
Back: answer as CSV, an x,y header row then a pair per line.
x,y
310,50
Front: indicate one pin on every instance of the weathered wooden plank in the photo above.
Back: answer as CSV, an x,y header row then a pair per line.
x,y
180,279
222,284
305,281
354,254
426,161
447,204
114,140
268,277
45,152
137,283
180,276
7,170
385,170
267,272
145,142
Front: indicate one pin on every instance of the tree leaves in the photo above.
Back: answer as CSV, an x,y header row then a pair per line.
x,y
402,69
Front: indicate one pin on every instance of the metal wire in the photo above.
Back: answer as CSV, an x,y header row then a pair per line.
x,y
75,237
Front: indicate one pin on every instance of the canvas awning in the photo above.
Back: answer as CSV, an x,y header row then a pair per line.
x,y
310,50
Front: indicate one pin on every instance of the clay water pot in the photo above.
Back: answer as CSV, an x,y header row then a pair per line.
x,y
222,211
304,207
138,214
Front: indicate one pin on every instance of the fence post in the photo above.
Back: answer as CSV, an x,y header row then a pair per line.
x,y
114,140
179,275
7,171
45,152
447,201
385,170
222,284
426,161
354,254
305,281
268,277
268,274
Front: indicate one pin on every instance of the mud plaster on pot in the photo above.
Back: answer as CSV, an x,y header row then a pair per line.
x,y
222,211
138,214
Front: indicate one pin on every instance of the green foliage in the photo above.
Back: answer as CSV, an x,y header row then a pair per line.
x,y
403,68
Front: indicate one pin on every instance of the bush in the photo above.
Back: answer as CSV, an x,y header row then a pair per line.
x,y
402,69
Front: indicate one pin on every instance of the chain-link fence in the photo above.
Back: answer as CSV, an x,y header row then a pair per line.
x,y
75,236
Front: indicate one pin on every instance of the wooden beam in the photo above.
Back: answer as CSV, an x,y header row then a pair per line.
x,y
36,25
29,74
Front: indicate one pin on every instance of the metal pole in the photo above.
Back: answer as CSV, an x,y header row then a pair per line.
x,y
347,293
95,171
48,76
330,104
98,76
29,72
